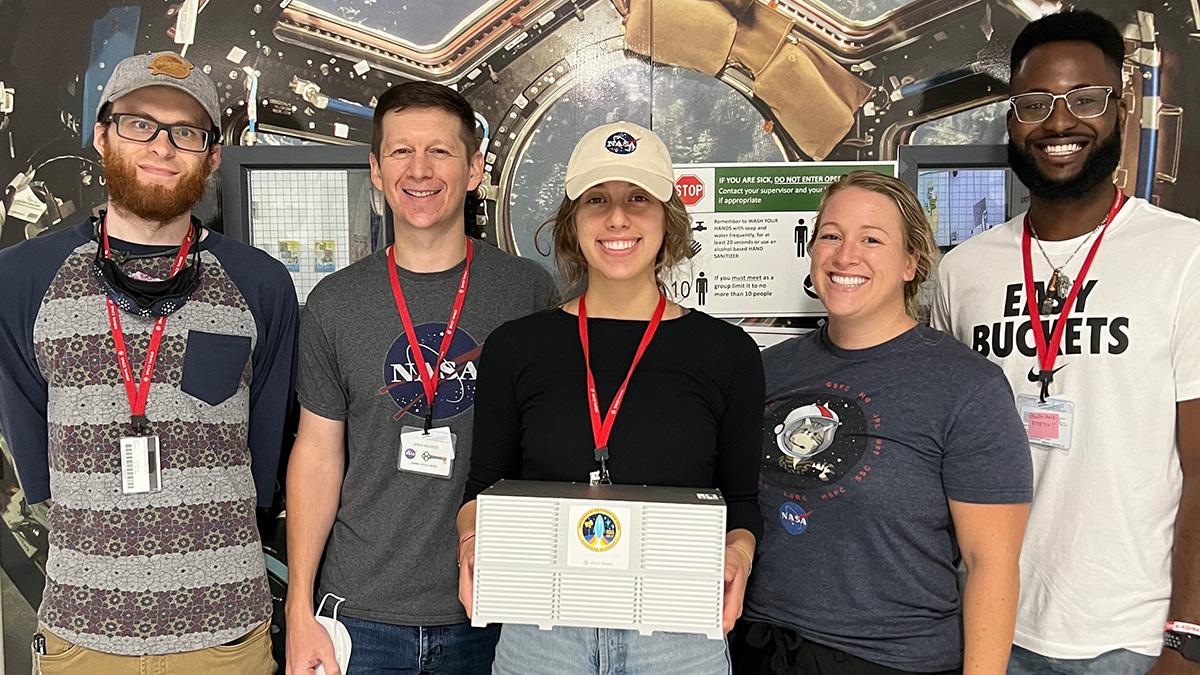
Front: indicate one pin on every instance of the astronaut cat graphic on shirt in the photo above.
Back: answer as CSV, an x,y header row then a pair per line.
x,y
815,439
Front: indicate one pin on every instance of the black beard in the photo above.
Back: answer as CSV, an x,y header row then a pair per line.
x,y
1097,169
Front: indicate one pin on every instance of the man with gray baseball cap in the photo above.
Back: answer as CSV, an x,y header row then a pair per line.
x,y
162,69
145,373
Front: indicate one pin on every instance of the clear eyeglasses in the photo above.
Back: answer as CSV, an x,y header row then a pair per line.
x,y
1084,103
144,129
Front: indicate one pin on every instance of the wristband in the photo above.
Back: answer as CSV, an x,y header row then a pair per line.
x,y
749,558
458,552
1182,627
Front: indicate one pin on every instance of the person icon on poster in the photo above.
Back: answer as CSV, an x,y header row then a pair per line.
x,y
800,237
701,288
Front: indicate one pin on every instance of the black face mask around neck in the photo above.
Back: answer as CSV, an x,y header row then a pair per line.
x,y
147,298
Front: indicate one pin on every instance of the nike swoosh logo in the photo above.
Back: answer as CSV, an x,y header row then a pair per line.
x,y
1034,377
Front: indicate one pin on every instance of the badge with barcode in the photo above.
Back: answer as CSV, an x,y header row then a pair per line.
x,y
141,470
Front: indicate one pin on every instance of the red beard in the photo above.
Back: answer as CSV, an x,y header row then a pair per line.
x,y
155,203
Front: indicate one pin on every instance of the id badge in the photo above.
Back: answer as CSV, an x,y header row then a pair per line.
x,y
1048,424
429,453
141,470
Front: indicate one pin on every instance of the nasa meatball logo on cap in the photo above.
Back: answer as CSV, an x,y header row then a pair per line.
x,y
621,143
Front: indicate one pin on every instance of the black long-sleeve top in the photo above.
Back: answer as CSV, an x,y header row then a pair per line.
x,y
692,415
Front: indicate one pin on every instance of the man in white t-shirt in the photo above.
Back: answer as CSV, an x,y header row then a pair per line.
x,y
1111,398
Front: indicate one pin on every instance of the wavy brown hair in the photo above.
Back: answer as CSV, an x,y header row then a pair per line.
x,y
568,258
918,235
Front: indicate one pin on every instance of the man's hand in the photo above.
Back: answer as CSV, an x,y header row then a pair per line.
x,y
1171,662
308,646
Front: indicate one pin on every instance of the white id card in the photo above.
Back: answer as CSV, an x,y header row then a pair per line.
x,y
1048,424
141,470
428,453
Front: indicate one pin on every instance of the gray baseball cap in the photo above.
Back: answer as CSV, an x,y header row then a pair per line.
x,y
164,69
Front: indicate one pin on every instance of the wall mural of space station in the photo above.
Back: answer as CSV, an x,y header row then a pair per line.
x,y
720,80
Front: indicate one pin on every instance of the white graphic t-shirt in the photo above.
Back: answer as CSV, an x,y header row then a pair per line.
x,y
1095,567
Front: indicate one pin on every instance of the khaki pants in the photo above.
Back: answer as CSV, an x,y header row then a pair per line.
x,y
249,656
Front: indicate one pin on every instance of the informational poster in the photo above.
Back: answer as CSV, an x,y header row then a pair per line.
x,y
751,225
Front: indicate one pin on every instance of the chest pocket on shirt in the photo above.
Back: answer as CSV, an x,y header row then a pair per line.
x,y
213,365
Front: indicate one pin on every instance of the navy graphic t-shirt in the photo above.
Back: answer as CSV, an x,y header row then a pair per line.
x,y
862,450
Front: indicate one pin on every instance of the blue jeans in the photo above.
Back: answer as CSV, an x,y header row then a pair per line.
x,y
1116,662
528,650
455,649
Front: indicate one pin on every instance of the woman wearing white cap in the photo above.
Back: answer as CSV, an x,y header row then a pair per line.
x,y
680,392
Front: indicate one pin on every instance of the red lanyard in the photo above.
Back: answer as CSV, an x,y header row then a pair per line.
x,y
429,380
1047,350
138,396
602,430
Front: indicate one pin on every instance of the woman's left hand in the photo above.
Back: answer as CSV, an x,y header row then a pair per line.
x,y
737,573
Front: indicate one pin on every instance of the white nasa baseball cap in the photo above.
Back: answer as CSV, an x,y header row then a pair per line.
x,y
621,151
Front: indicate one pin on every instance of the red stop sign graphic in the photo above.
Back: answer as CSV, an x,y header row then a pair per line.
x,y
690,189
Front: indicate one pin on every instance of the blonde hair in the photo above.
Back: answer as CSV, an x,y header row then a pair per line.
x,y
918,235
568,257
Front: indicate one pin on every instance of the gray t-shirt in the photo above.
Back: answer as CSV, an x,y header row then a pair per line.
x,y
391,552
862,450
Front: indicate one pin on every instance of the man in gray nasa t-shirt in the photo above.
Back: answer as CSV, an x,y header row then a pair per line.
x,y
388,515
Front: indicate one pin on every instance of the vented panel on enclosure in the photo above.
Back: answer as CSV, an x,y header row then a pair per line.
x,y
605,556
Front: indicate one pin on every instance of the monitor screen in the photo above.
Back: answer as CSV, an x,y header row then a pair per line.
x,y
964,190
961,203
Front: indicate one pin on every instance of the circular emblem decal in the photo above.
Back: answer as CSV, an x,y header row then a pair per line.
x,y
794,518
456,376
599,530
410,453
621,143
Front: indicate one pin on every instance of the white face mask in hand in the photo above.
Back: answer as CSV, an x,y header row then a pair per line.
x,y
337,633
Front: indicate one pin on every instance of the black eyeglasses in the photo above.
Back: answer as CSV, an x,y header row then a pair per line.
x,y
144,129
1084,103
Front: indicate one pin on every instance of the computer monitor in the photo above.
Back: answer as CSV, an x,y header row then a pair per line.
x,y
964,190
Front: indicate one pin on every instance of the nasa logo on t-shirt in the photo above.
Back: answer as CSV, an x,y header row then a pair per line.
x,y
794,518
621,143
456,377
599,530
